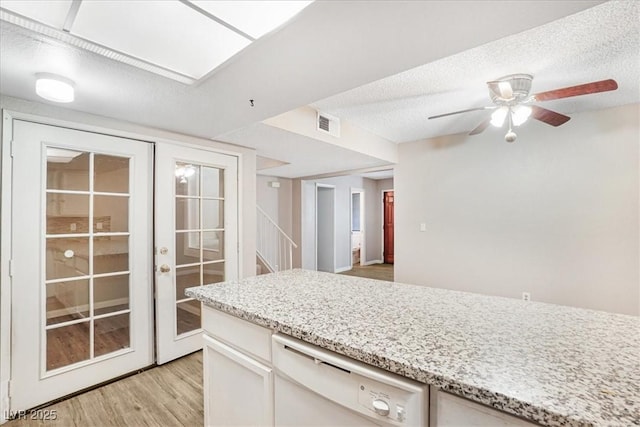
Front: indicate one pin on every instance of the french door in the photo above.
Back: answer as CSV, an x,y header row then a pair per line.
x,y
82,261
196,239
82,282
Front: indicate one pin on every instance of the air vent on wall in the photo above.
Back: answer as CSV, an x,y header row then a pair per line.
x,y
328,124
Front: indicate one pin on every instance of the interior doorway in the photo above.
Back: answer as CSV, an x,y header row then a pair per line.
x,y
388,229
357,227
325,228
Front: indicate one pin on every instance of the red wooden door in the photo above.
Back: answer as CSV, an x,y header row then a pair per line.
x,y
388,227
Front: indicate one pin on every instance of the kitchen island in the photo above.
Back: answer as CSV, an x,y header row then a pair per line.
x,y
549,364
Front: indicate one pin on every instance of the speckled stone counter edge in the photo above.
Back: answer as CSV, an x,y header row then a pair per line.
x,y
494,400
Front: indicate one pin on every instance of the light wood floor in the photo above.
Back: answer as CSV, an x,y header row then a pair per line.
x,y
167,395
373,271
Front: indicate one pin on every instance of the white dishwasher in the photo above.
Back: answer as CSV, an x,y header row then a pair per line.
x,y
316,387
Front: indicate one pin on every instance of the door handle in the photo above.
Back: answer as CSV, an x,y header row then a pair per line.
x,y
164,268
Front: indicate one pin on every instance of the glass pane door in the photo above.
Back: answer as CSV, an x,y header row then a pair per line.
x,y
81,244
87,256
199,208
196,217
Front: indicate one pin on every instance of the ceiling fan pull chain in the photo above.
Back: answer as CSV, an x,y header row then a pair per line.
x,y
511,135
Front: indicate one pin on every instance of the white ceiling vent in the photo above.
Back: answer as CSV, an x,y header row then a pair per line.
x,y
328,124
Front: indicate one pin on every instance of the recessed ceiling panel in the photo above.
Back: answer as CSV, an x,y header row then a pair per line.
x,y
255,18
165,33
52,12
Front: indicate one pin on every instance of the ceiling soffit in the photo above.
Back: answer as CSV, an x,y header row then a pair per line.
x,y
181,40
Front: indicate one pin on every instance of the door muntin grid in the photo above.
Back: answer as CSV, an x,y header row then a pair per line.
x,y
199,237
86,274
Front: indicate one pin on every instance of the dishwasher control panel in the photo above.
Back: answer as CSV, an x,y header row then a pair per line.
x,y
341,390
384,401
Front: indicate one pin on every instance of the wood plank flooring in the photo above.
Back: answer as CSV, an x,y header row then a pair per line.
x,y
167,395
373,271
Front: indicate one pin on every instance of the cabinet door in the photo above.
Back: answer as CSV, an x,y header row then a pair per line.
x,y
238,390
453,411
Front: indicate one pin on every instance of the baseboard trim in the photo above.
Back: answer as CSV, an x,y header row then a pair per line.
x,y
343,269
374,261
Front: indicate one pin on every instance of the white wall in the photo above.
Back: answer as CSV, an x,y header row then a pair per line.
x,y
297,220
276,202
372,220
554,214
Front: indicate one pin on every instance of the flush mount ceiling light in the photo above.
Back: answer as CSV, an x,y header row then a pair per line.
x,y
54,88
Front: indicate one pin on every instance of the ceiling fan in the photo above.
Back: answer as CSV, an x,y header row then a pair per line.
x,y
510,95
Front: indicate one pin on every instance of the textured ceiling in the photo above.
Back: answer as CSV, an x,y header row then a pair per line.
x,y
330,47
599,43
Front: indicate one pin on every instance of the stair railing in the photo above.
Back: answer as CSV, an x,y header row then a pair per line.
x,y
274,246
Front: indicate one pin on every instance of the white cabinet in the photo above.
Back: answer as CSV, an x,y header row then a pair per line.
x,y
448,410
237,369
238,390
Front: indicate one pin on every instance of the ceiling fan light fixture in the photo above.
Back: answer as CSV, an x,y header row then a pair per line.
x,y
505,89
498,116
54,88
514,87
520,114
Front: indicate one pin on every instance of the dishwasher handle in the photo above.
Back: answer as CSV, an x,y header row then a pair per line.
x,y
315,359
343,363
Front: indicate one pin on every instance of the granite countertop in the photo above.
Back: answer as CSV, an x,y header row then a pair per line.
x,y
551,364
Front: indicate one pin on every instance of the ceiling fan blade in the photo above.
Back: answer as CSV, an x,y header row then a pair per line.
x,y
585,89
549,117
481,127
492,107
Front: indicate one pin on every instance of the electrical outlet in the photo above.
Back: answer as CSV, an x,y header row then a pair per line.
x,y
423,226
73,226
98,225
526,296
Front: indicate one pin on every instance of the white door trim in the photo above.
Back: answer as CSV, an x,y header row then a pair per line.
x,y
363,220
5,257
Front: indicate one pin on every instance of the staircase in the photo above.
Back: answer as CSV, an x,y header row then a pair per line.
x,y
274,249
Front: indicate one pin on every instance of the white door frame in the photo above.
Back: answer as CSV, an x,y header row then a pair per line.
x,y
360,191
5,256
6,184
332,187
